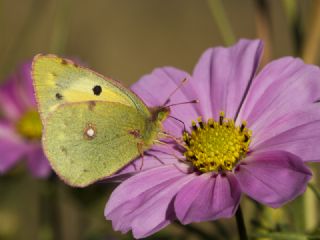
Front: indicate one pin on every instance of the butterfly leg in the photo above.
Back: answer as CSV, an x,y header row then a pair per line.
x,y
169,136
170,154
141,152
179,158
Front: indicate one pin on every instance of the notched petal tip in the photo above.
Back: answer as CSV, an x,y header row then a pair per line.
x,y
223,75
208,198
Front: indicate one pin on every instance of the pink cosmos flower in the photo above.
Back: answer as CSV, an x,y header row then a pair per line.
x,y
254,136
20,125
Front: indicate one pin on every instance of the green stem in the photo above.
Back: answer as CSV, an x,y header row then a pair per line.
x,y
298,213
222,21
293,13
314,190
290,7
241,225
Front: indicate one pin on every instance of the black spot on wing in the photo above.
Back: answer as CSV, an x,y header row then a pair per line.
x,y
59,96
97,90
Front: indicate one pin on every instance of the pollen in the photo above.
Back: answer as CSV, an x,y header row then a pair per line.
x,y
216,146
29,125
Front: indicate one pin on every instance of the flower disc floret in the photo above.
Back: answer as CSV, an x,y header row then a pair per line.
x,y
29,125
215,146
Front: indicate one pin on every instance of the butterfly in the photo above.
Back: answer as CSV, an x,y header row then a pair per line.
x,y
92,125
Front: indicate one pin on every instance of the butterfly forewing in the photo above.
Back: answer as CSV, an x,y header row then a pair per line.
x,y
58,81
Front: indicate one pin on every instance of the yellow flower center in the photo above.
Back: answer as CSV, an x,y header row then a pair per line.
x,y
29,125
216,145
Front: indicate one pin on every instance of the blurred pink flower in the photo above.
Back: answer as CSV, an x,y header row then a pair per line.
x,y
20,125
258,145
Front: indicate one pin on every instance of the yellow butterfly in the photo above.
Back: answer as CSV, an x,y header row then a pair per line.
x,y
93,126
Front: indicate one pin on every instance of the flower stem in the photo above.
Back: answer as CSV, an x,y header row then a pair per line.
x,y
314,190
240,224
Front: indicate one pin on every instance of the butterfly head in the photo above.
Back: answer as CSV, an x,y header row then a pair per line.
x,y
159,114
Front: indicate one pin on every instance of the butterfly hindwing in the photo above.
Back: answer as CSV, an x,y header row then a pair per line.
x,y
58,81
89,141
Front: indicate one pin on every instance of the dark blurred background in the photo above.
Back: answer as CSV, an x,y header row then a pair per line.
x,y
125,39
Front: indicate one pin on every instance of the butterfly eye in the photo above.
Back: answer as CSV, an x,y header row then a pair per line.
x,y
97,90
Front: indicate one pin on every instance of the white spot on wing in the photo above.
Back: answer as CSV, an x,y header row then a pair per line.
x,y
90,132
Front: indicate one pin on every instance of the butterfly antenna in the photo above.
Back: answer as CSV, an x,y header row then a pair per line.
x,y
180,121
181,103
175,90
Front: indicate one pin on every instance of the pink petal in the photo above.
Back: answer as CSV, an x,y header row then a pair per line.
x,y
291,120
283,86
17,94
302,141
143,202
273,178
155,89
222,76
297,132
12,148
10,101
26,89
207,198
37,162
11,153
